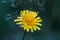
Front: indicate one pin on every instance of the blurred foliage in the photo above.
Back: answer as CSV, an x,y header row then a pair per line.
x,y
48,10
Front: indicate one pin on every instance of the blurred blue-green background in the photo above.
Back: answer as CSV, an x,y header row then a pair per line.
x,y
49,11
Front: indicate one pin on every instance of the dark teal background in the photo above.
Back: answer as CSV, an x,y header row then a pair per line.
x,y
49,10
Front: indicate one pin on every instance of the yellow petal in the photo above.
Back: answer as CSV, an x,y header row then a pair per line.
x,y
30,27
22,26
34,14
18,20
34,27
25,26
27,11
38,18
19,17
39,24
27,29
19,23
31,30
39,21
22,13
15,20
38,28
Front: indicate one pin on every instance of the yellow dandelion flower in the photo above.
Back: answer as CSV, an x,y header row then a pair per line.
x,y
29,20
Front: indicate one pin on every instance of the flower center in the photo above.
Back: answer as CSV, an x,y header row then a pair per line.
x,y
28,20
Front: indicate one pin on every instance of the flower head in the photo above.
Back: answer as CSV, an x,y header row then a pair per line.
x,y
29,20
